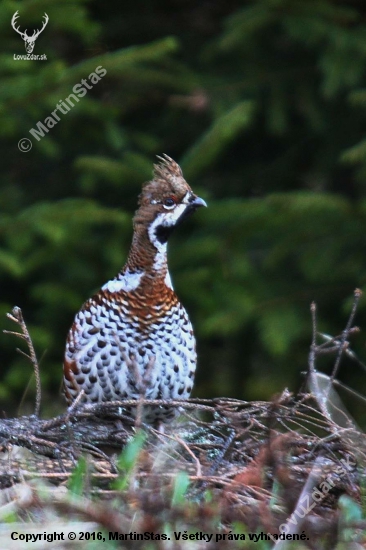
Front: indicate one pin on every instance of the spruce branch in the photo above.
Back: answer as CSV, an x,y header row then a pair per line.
x,y
17,317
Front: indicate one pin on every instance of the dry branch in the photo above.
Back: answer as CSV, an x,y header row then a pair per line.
x,y
17,317
235,449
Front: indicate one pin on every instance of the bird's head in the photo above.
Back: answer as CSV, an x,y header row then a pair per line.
x,y
165,201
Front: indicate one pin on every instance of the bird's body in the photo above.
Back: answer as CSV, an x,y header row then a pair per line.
x,y
133,338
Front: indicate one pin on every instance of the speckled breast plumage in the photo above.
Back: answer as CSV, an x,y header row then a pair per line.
x,y
133,338
130,345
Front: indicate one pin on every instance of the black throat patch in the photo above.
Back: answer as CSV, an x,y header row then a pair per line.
x,y
163,232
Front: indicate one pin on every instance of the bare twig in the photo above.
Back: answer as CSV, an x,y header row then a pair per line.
x,y
350,353
74,405
313,347
17,317
313,378
191,453
343,341
320,384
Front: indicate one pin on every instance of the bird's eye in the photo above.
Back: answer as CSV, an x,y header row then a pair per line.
x,y
169,202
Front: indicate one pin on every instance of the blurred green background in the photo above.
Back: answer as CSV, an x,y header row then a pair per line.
x,y
264,105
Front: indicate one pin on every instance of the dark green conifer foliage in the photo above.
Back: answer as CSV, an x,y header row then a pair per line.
x,y
263,103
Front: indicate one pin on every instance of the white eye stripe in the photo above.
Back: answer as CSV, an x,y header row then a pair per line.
x,y
187,197
169,207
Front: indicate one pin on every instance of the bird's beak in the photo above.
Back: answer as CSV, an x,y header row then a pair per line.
x,y
191,204
197,201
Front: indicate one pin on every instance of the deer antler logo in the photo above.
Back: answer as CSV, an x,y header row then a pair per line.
x,y
28,40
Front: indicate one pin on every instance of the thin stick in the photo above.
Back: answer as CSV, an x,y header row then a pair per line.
x,y
313,340
17,316
74,405
312,371
345,334
328,339
349,390
191,453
